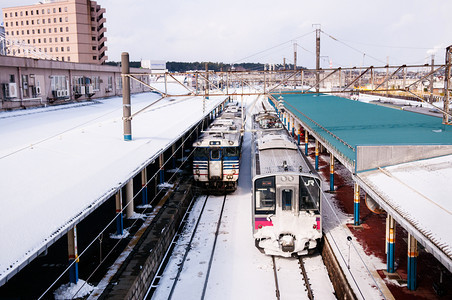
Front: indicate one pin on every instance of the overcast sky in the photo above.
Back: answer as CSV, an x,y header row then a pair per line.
x,y
233,31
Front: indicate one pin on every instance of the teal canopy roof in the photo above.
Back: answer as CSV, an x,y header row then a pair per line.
x,y
346,123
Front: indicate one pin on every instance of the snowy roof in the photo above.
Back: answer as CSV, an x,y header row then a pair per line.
x,y
420,192
60,163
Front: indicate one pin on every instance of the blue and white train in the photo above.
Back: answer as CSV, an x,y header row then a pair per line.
x,y
286,192
216,160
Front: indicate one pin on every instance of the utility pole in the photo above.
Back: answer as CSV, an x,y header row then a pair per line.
x,y
447,85
125,70
317,57
431,79
284,63
295,56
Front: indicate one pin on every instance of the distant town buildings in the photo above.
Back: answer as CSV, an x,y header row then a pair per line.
x,y
63,30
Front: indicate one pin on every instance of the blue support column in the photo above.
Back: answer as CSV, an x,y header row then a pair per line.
x,y
390,243
316,155
162,171
73,255
306,139
412,263
144,187
331,172
356,204
119,216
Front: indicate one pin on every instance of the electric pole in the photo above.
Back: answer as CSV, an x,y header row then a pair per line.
x,y
317,56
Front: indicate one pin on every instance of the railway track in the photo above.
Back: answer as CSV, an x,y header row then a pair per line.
x,y
287,268
203,217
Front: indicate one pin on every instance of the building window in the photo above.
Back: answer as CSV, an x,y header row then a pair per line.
x,y
56,49
54,20
45,50
28,31
32,22
65,10
32,31
12,32
55,29
50,49
93,38
6,15
28,41
42,12
54,10
93,48
39,42
61,29
66,19
59,9
6,24
93,28
68,49
68,58
39,31
62,49
58,82
16,13
31,12
7,33
17,32
62,58
49,20
43,21
23,32
45,40
67,29
61,39
34,41
67,39
37,11
61,20
50,40
44,30
37,21
48,10
94,57
26,22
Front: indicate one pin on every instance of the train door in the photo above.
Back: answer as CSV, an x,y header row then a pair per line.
x,y
215,164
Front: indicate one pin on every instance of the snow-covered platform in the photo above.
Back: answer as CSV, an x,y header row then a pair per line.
x,y
58,164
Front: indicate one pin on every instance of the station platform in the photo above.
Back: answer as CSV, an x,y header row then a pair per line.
x,y
61,163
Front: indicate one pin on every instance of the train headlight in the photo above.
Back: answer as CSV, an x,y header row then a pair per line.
x,y
283,178
290,178
231,142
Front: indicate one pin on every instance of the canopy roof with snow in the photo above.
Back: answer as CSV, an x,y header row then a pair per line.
x,y
60,163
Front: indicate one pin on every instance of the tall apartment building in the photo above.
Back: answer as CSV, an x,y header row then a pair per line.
x,y
64,30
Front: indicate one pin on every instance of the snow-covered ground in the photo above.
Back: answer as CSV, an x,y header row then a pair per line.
x,y
240,271
60,163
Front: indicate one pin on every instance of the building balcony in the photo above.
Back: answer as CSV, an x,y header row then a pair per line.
x,y
101,21
103,49
101,11
101,30
103,59
102,40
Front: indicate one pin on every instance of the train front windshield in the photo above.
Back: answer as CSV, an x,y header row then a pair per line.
x,y
201,153
265,195
231,152
309,193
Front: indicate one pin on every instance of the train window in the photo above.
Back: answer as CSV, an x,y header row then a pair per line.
x,y
231,151
309,193
215,154
286,199
201,153
265,195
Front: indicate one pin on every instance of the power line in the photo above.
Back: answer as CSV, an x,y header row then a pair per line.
x,y
271,48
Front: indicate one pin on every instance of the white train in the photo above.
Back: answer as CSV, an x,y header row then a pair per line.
x,y
216,160
286,211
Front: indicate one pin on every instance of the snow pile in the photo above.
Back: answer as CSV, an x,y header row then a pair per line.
x,y
73,291
125,233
